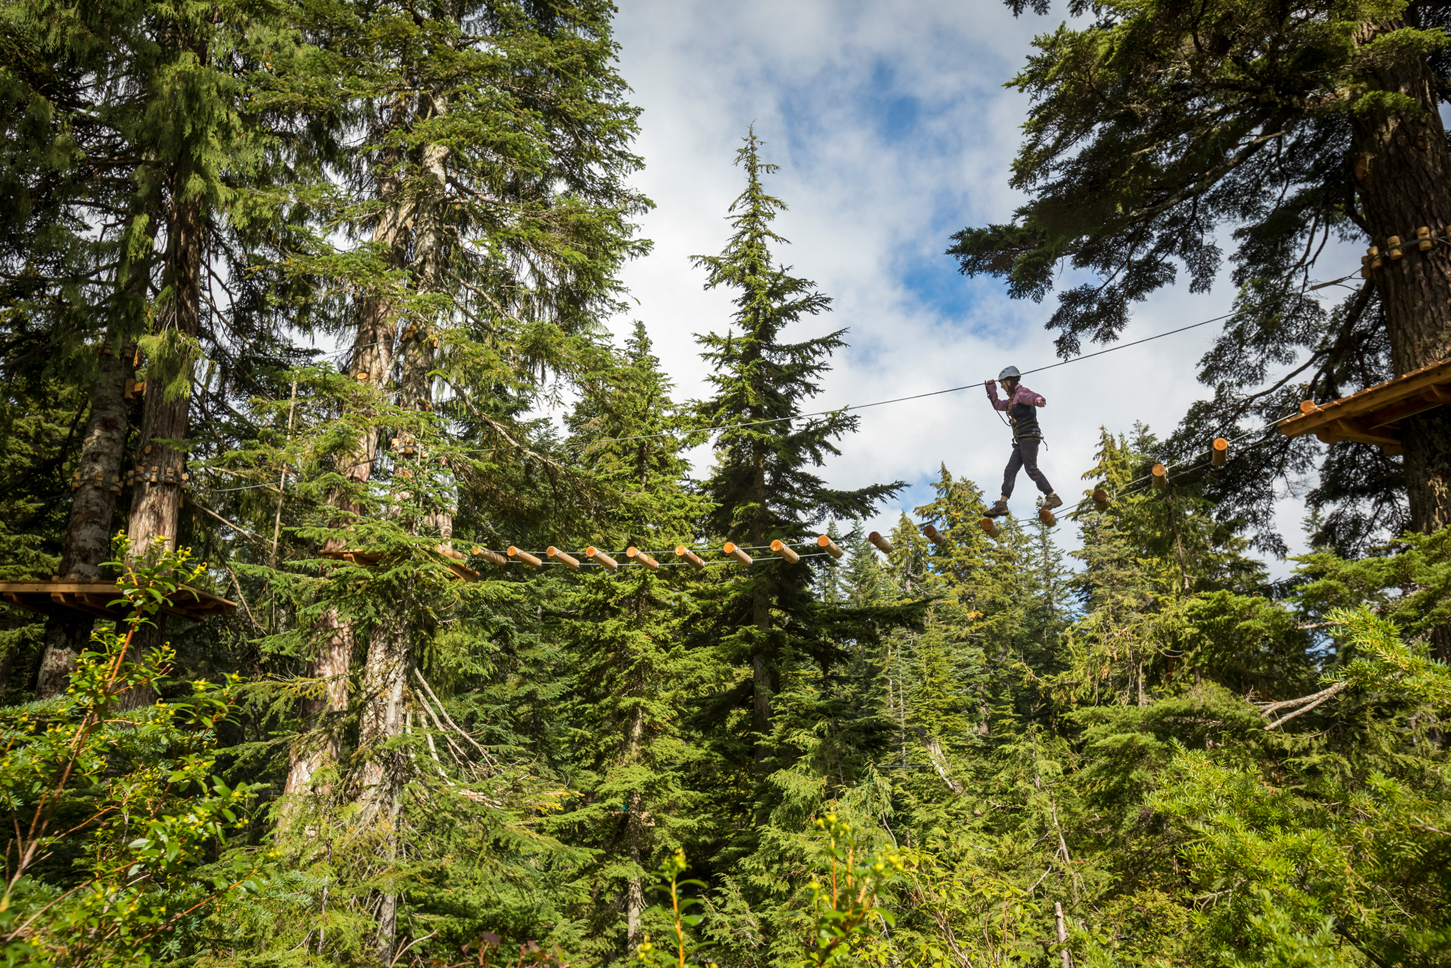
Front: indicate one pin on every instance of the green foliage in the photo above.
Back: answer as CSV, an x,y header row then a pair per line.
x,y
119,817
838,925
1344,864
964,753
1409,580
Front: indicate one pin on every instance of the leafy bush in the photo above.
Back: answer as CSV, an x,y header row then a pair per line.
x,y
116,812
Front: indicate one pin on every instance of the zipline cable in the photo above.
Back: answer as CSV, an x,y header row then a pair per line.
x,y
915,396
1193,463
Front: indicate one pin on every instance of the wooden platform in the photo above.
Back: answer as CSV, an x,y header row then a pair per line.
x,y
1373,415
454,559
94,598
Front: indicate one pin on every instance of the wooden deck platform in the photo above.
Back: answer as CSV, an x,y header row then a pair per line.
x,y
453,559
94,598
1373,415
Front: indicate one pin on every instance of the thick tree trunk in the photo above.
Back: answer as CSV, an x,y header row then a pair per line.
x,y
385,674
372,361
88,533
1403,175
156,505
318,748
1404,180
390,656
388,653
416,355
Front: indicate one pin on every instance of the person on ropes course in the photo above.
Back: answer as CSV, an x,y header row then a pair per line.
x,y
1020,406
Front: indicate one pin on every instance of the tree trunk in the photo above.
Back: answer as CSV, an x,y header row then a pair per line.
x,y
1063,951
389,652
1403,176
1404,181
387,937
372,359
765,677
635,840
156,505
88,533
384,676
319,747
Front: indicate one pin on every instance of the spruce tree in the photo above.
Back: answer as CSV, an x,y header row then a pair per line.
x,y
792,731
473,246
481,253
762,487
633,677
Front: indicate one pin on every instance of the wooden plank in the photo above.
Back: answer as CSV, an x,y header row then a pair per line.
x,y
1383,395
1428,399
462,571
47,587
1438,393
93,598
1343,429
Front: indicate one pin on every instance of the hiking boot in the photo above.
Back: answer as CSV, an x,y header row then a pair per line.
x,y
998,510
1052,501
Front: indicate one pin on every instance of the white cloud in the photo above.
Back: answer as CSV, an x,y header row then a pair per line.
x,y
893,130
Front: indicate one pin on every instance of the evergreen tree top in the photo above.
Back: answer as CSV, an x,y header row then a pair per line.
x,y
761,485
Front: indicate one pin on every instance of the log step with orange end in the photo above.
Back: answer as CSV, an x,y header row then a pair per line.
x,y
635,554
556,555
830,547
782,549
882,544
1161,476
991,527
1220,453
1046,516
934,537
598,556
1100,499
732,549
492,557
690,557
525,557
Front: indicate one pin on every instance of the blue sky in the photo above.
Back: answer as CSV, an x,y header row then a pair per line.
x,y
893,130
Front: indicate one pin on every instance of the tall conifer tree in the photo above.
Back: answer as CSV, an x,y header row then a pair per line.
x,y
632,675
762,486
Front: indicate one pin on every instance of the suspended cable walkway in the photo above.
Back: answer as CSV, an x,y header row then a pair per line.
x,y
1371,416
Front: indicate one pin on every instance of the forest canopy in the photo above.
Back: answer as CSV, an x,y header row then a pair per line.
x,y
354,656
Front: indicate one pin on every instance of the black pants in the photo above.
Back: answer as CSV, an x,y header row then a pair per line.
x,y
1025,455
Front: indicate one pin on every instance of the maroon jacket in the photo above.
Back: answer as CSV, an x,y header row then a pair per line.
x,y
1021,409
